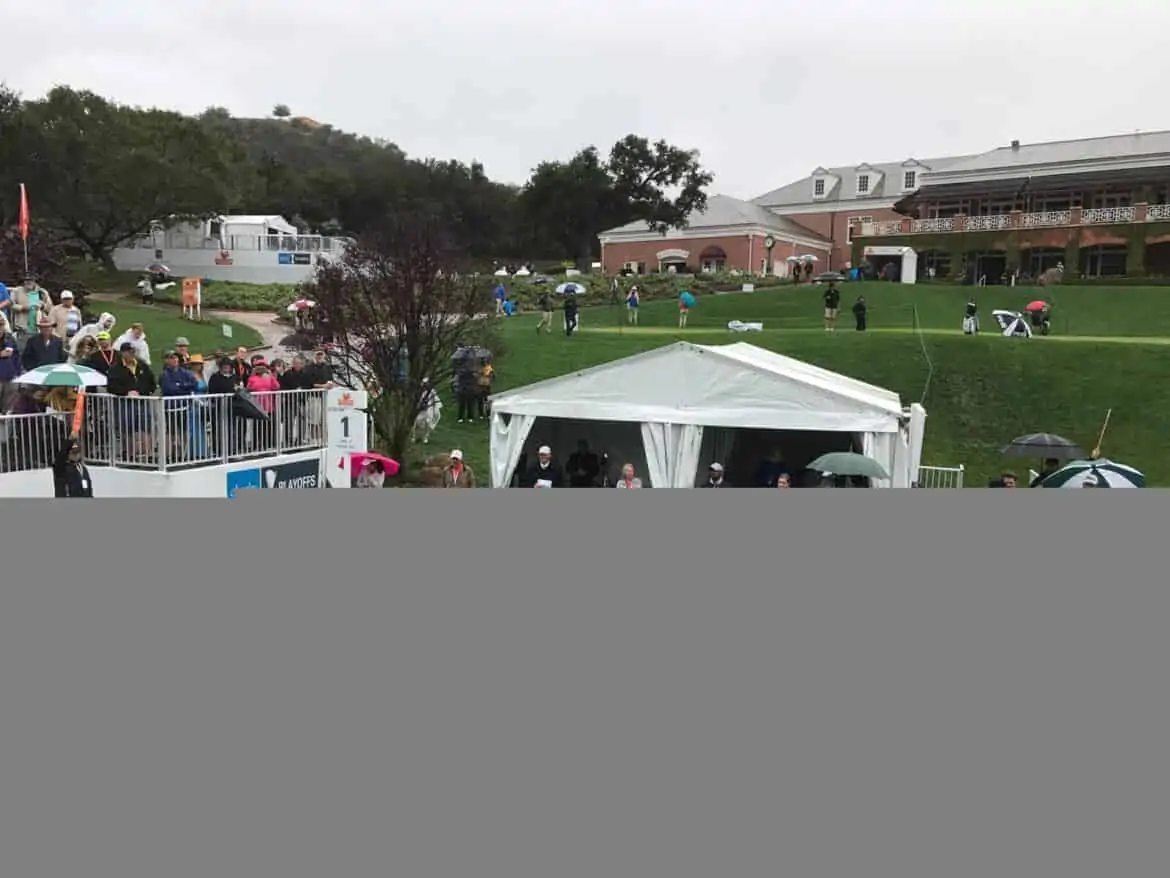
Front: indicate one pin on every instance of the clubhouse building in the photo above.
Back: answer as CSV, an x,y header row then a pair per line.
x,y
1100,207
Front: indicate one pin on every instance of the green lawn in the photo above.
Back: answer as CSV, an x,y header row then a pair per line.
x,y
164,324
982,392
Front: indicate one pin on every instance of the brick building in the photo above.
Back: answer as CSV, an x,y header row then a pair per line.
x,y
1099,206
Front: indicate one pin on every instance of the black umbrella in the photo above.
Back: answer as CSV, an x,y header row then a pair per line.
x,y
1045,445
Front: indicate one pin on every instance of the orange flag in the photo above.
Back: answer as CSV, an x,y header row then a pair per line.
x,y
79,412
23,212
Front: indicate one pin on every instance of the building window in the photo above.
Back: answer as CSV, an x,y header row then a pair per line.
x,y
632,268
818,189
863,184
909,179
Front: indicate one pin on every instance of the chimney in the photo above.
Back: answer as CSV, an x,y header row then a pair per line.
x,y
1015,146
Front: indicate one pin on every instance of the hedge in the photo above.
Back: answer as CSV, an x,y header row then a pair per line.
x,y
227,296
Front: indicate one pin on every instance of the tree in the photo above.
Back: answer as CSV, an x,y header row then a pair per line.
x,y
102,173
567,204
398,314
47,262
281,111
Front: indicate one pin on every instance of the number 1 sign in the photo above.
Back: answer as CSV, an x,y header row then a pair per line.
x,y
346,432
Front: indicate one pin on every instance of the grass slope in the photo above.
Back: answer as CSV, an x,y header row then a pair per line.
x,y
164,324
981,391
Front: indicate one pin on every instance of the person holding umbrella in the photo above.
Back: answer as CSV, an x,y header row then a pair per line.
x,y
686,301
570,315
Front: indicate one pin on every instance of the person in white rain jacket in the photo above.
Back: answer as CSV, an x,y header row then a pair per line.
x,y
135,336
105,323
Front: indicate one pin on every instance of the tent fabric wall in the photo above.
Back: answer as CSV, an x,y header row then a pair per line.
x,y
672,454
880,447
507,443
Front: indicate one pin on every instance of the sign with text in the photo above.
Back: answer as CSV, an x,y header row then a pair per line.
x,y
346,432
300,475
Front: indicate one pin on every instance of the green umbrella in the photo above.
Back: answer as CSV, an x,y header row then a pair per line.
x,y
62,375
847,463
1094,474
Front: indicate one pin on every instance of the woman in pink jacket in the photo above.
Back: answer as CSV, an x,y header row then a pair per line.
x,y
263,385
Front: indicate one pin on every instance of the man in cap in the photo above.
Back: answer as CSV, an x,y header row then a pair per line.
x,y
545,474
66,317
457,474
183,350
44,348
104,357
135,336
177,383
70,474
715,477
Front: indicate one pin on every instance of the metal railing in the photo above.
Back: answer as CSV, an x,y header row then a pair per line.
x,y
941,476
169,433
271,243
1047,219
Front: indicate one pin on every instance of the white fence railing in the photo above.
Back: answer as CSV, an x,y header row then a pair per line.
x,y
285,243
940,476
168,433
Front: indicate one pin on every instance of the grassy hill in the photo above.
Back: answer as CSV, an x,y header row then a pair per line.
x,y
1110,349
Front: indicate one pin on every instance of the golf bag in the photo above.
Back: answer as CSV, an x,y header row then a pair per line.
x,y
970,319
1012,324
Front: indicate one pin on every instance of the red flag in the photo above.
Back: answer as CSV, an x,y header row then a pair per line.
x,y
23,212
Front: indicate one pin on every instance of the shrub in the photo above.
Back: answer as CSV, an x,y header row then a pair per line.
x,y
228,296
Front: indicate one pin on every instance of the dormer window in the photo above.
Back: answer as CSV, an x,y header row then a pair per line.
x,y
862,184
819,188
909,180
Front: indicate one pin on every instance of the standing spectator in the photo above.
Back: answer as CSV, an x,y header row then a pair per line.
x,y
9,367
183,349
466,390
321,375
241,365
263,385
44,348
457,474
715,477
832,300
500,295
104,357
545,474
783,481
293,405
197,418
227,428
860,313
6,303
131,380
66,317
85,347
628,479
70,474
584,467
684,311
633,300
373,475
105,323
178,384
546,312
570,314
136,337
30,302
484,378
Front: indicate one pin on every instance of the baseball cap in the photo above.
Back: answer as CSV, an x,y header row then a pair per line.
x,y
544,449
66,294
170,354
103,336
716,467
456,454
126,346
181,341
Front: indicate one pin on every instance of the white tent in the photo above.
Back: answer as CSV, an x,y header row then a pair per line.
x,y
671,394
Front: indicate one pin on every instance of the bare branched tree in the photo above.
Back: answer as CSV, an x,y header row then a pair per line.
x,y
398,311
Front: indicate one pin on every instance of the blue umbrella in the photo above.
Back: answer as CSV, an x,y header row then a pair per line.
x,y
687,299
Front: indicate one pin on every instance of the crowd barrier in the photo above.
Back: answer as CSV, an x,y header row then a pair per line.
x,y
169,433
940,476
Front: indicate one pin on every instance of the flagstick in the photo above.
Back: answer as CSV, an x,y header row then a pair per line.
x,y
25,259
1101,437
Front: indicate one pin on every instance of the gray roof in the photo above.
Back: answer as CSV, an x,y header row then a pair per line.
x,y
801,191
723,210
1059,152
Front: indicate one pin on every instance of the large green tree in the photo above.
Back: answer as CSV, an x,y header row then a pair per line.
x,y
566,204
101,173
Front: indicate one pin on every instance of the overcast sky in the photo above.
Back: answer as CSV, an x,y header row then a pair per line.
x,y
765,90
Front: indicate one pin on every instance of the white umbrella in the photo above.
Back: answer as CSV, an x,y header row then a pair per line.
x,y
62,375
571,289
503,272
1094,474
524,272
792,259
808,257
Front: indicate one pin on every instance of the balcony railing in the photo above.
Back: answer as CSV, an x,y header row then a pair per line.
x,y
1049,219
259,243
169,433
